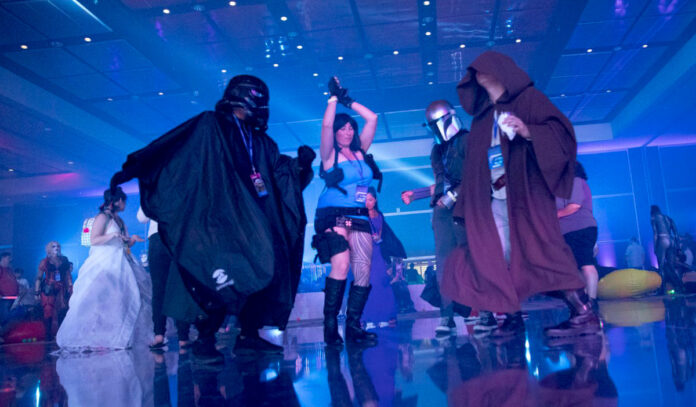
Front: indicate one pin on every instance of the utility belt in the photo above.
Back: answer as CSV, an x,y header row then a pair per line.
x,y
328,243
332,216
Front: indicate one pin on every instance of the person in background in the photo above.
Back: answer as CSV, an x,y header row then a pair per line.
x,y
387,252
635,254
53,287
8,285
579,228
666,237
159,264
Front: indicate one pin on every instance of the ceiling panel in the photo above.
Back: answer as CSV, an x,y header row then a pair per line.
x,y
568,84
333,43
177,107
138,114
520,24
14,31
245,21
626,67
50,62
188,28
57,19
407,124
390,37
453,63
93,86
602,10
566,104
109,56
659,29
599,34
145,4
457,8
321,15
372,11
596,107
282,135
464,29
143,80
309,131
581,64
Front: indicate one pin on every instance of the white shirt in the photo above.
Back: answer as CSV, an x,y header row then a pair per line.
x,y
142,218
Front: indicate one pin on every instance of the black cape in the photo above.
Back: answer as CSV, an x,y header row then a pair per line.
x,y
195,182
391,246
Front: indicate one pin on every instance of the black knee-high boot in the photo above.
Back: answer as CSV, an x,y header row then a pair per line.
x,y
583,319
357,298
333,298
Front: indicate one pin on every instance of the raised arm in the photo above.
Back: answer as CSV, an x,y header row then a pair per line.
x,y
326,145
367,135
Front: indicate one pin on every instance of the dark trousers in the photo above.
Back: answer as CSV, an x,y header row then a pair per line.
x,y
159,263
445,242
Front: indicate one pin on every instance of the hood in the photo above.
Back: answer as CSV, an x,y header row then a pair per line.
x,y
474,98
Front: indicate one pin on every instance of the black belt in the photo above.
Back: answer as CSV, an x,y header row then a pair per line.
x,y
333,211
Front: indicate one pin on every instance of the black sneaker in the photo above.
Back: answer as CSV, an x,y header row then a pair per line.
x,y
486,322
250,345
513,326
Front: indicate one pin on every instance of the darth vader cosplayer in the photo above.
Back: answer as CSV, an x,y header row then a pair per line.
x,y
230,212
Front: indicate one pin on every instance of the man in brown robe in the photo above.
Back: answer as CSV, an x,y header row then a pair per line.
x,y
515,248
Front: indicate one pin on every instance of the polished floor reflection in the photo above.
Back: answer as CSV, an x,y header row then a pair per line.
x,y
647,357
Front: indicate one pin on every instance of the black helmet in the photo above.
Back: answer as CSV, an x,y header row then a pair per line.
x,y
249,93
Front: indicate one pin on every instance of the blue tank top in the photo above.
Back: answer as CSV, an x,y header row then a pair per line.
x,y
355,173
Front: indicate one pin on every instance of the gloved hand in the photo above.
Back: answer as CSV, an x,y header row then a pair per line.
x,y
305,156
335,89
118,179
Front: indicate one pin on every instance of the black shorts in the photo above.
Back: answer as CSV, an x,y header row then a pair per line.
x,y
582,244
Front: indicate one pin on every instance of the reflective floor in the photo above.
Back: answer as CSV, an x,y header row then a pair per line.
x,y
647,357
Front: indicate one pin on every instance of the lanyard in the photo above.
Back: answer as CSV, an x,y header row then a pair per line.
x,y
360,169
249,145
494,140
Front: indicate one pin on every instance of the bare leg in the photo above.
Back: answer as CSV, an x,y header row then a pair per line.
x,y
591,279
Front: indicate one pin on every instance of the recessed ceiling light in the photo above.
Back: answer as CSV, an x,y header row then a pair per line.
x,y
87,39
430,83
608,90
645,45
430,63
562,95
518,40
283,18
160,93
589,50
428,33
275,65
232,3
223,70
462,45
340,58
326,93
166,11
395,52
109,99
71,162
426,3
300,47
10,169
24,46
315,74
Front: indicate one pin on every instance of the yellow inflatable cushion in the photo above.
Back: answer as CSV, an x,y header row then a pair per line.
x,y
626,283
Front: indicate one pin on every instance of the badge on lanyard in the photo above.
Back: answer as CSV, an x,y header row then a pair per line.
x,y
495,158
259,185
361,193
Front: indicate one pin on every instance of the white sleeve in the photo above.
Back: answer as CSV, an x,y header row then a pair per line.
x,y
141,215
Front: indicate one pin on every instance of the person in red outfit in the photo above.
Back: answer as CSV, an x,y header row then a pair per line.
x,y
8,287
53,287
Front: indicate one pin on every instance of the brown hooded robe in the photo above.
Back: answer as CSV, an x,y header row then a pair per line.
x,y
536,170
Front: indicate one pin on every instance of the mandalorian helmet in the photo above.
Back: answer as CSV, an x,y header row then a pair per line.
x,y
442,120
249,93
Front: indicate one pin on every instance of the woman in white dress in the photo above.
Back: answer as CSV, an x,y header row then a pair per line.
x,y
111,303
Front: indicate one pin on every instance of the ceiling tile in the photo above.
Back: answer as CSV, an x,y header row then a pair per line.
x,y
406,124
143,80
569,84
111,55
373,11
457,8
138,115
626,67
14,31
50,62
659,29
93,86
581,64
245,21
186,28
599,34
603,10
464,29
57,19
389,37
322,15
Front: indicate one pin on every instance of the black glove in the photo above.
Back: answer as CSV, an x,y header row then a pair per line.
x,y
335,89
305,156
118,179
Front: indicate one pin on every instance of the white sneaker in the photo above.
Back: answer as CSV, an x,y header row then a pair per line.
x,y
446,326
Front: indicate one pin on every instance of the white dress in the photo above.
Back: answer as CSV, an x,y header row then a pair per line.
x,y
111,304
